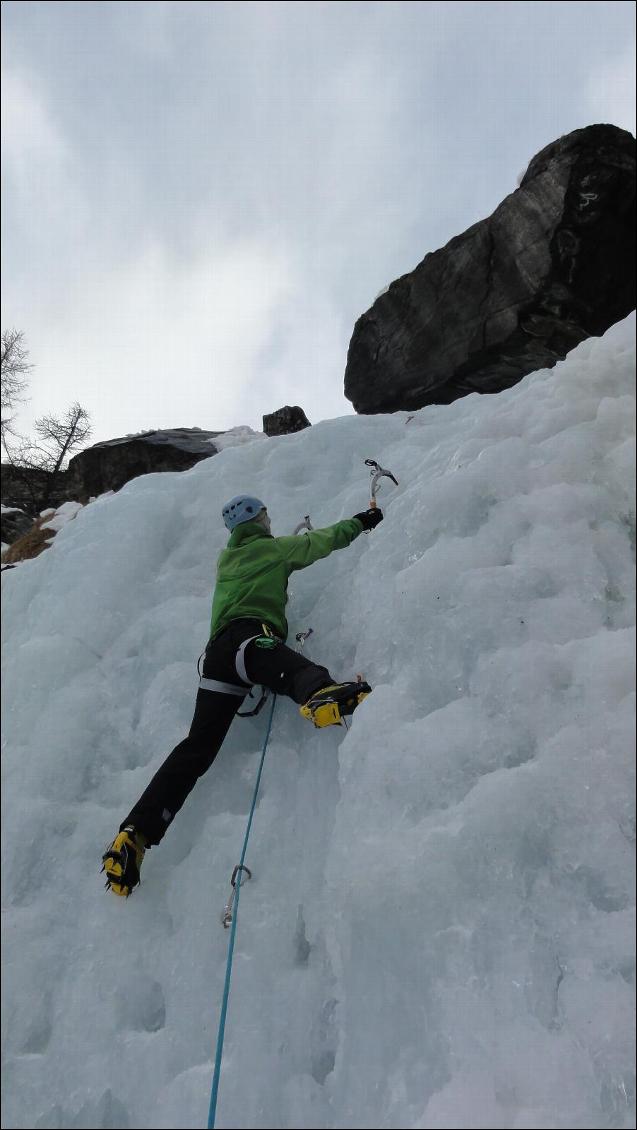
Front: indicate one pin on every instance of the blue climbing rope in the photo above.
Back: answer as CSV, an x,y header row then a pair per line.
x,y
236,884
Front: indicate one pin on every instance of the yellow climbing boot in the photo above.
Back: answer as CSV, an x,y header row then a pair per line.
x,y
329,705
122,862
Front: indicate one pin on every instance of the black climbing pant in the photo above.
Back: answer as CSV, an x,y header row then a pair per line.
x,y
270,664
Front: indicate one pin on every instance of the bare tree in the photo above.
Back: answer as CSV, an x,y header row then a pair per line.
x,y
58,438
14,370
36,463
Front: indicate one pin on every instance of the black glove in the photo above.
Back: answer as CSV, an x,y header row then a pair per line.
x,y
370,518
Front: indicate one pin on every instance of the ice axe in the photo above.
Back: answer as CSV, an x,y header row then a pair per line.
x,y
377,473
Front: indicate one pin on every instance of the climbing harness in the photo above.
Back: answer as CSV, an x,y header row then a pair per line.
x,y
260,704
377,472
267,640
229,918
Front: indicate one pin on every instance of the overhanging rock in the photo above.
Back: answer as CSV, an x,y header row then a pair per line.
x,y
553,265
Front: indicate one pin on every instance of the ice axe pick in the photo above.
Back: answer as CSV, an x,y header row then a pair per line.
x,y
377,472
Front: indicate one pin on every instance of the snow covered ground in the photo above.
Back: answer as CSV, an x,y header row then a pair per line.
x,y
56,519
440,927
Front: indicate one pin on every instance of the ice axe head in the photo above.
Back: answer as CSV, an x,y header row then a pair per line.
x,y
377,472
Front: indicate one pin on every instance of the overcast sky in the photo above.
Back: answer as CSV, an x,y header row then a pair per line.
x,y
200,199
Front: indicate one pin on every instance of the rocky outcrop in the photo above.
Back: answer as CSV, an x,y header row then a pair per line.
x,y
553,265
285,420
15,523
29,489
109,465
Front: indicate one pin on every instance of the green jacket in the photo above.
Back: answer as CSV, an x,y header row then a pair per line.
x,y
253,571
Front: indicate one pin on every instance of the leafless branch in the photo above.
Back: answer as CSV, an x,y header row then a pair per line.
x,y
14,370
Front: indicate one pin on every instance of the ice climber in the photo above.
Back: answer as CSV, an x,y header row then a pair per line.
x,y
246,648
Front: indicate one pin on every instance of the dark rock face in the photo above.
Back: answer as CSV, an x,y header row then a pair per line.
x,y
14,524
285,420
553,265
25,488
107,466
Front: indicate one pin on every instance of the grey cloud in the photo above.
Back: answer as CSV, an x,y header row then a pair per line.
x,y
347,138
